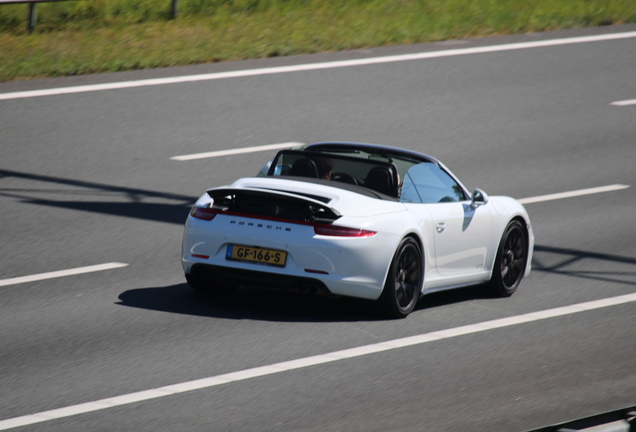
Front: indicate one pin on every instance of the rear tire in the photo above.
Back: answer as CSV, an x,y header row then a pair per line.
x,y
510,264
404,281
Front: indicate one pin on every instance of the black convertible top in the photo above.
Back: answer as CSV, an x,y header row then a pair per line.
x,y
371,149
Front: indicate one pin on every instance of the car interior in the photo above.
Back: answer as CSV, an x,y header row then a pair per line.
x,y
377,175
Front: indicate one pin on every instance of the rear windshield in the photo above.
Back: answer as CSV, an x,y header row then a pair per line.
x,y
378,175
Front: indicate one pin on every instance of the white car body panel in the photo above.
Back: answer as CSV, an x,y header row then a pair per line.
x,y
462,236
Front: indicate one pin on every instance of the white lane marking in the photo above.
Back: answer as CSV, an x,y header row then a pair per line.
x,y
236,151
311,361
62,273
624,103
575,193
314,66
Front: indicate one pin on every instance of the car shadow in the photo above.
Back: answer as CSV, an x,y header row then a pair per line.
x,y
266,305
251,303
279,306
456,295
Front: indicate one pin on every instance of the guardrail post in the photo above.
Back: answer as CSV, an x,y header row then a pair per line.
x,y
174,8
32,17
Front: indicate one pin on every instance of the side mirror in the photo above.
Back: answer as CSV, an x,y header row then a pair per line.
x,y
479,198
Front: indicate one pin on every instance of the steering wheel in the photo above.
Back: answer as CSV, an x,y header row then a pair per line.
x,y
344,178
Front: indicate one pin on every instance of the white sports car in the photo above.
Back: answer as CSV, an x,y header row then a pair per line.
x,y
357,220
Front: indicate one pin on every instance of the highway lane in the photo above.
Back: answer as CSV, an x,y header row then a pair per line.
x,y
87,179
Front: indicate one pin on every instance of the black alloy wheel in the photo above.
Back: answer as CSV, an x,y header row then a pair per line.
x,y
510,264
404,281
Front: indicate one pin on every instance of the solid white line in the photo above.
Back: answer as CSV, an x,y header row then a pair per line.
x,y
311,361
315,66
575,193
61,273
624,103
236,151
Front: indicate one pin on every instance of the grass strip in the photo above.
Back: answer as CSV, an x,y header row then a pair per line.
x,y
91,36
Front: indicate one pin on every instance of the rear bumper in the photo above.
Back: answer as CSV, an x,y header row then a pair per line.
x,y
260,279
347,266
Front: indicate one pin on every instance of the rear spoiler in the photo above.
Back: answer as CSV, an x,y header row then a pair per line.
x,y
272,204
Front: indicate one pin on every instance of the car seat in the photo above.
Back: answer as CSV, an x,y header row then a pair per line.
x,y
304,168
380,179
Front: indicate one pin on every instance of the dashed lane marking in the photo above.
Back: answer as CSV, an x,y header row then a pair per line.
x,y
571,194
624,102
61,273
236,151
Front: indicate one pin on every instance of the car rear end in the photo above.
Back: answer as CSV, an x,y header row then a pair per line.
x,y
298,236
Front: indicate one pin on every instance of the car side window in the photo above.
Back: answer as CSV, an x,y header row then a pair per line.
x,y
430,184
408,193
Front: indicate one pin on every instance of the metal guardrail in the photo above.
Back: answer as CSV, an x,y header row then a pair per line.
x,y
32,17
622,420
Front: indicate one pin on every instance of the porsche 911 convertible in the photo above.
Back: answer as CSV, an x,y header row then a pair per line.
x,y
357,220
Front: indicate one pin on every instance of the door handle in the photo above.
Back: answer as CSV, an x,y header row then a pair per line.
x,y
440,226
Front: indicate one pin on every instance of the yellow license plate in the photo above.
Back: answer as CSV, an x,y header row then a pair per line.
x,y
256,255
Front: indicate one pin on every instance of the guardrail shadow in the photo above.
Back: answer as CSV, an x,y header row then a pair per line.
x,y
111,200
570,259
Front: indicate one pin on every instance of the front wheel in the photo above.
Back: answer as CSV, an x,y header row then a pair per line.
x,y
510,264
404,281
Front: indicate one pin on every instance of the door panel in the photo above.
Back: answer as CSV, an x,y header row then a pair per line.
x,y
462,237
461,232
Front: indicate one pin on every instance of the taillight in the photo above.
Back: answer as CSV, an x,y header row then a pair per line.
x,y
203,213
340,231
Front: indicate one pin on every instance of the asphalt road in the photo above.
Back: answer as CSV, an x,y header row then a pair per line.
x,y
87,179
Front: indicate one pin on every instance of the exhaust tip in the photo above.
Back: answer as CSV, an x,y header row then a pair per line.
x,y
302,287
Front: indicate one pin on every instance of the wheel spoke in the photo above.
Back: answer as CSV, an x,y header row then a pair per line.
x,y
514,241
405,294
504,271
399,295
406,290
410,267
511,277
